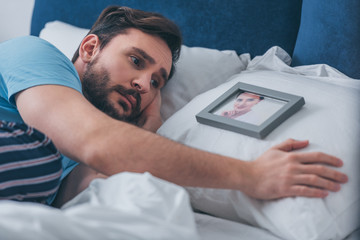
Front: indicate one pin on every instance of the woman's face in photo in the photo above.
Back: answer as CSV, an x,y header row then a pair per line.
x,y
245,101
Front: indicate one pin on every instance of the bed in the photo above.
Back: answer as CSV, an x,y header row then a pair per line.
x,y
307,48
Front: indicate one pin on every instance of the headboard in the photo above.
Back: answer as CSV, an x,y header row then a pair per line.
x,y
322,31
212,23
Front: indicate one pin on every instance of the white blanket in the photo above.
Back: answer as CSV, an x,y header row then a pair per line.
x,y
124,206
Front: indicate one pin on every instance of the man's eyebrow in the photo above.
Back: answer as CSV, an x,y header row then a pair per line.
x,y
152,61
144,55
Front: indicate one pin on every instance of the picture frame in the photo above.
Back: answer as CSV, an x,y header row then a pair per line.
x,y
250,110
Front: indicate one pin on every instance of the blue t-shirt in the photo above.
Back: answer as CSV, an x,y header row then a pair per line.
x,y
29,61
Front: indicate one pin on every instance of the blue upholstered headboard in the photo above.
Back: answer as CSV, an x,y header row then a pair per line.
x,y
321,31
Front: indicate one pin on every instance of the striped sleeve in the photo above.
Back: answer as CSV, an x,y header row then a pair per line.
x,y
30,164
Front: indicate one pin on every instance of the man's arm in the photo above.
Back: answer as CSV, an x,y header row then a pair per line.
x,y
87,135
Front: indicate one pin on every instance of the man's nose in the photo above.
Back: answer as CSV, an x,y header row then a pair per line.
x,y
142,84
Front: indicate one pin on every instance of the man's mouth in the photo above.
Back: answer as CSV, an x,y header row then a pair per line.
x,y
128,102
129,99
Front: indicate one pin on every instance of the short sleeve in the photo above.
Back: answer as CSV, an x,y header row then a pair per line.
x,y
30,61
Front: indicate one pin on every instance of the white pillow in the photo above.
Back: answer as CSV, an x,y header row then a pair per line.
x,y
198,69
329,119
65,37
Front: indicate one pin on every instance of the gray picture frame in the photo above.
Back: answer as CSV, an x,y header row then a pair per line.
x,y
292,103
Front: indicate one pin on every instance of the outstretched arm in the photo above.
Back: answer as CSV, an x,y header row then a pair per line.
x,y
108,146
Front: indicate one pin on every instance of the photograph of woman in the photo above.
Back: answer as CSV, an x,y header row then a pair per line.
x,y
250,108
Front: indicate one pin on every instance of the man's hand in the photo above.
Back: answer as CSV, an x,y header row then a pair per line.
x,y
281,173
150,118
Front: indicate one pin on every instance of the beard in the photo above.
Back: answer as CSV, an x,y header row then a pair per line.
x,y
96,90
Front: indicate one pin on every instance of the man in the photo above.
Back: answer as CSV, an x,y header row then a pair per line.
x,y
122,64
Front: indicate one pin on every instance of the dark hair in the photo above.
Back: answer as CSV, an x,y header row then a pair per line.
x,y
241,92
115,20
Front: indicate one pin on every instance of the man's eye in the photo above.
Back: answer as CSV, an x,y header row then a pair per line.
x,y
154,83
135,60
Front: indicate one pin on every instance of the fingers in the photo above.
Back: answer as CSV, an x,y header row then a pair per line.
x,y
311,157
306,191
290,174
155,103
153,108
324,172
317,182
312,183
291,144
308,185
318,157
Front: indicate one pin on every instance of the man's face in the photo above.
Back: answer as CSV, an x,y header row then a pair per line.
x,y
245,101
127,74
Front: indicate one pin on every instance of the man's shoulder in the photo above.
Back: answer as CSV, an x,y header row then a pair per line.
x,y
24,40
30,61
28,45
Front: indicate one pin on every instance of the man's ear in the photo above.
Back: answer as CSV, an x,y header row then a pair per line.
x,y
89,47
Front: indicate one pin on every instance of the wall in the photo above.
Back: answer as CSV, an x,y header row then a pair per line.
x,y
15,18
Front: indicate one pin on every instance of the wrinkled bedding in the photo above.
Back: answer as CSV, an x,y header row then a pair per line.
x,y
141,206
